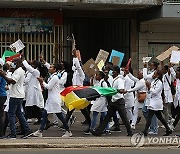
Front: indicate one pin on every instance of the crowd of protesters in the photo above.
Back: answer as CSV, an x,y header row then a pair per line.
x,y
32,90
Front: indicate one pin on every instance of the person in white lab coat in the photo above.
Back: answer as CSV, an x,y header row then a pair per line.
x,y
129,97
53,102
77,80
117,104
177,96
156,103
140,87
78,75
100,104
148,76
33,92
167,94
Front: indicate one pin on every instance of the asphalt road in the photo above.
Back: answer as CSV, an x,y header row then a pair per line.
x,y
77,128
90,151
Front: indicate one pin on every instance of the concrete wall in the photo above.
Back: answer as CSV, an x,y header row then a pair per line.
x,y
157,36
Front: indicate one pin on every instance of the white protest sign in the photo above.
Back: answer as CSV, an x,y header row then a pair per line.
x,y
102,55
175,57
146,59
18,45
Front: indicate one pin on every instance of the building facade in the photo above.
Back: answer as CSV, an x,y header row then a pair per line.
x,y
44,26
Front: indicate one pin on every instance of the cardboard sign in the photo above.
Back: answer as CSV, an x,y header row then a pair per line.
x,y
90,68
18,45
102,55
175,57
100,65
146,59
167,53
113,58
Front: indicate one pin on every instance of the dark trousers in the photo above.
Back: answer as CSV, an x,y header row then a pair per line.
x,y
158,114
2,101
177,117
83,111
119,106
15,105
44,120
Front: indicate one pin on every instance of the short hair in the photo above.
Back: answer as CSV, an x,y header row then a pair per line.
x,y
156,64
102,74
178,69
116,68
166,67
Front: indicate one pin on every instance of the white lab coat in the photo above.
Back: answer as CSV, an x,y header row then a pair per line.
x,y
156,102
140,86
129,97
53,104
166,87
177,95
78,75
33,89
100,104
62,81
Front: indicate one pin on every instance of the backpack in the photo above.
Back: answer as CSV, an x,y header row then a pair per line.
x,y
69,79
107,97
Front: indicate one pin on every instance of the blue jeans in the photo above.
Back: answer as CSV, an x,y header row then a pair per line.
x,y
154,124
44,120
15,105
94,120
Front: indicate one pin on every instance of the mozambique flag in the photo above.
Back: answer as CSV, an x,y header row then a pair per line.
x,y
78,97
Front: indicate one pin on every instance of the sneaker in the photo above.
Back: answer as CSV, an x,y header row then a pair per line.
x,y
111,124
48,126
162,126
10,136
171,127
152,133
26,135
171,121
168,132
61,128
37,134
67,134
116,129
133,126
107,132
87,132
29,120
72,120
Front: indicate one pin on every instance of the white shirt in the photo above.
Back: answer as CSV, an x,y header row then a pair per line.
x,y
62,80
148,75
118,83
53,101
17,89
156,102
78,75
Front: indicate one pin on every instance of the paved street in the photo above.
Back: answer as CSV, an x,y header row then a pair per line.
x,y
77,129
90,151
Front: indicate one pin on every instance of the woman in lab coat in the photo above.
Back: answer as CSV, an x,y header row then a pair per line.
x,y
78,75
53,101
156,103
34,98
100,104
140,87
